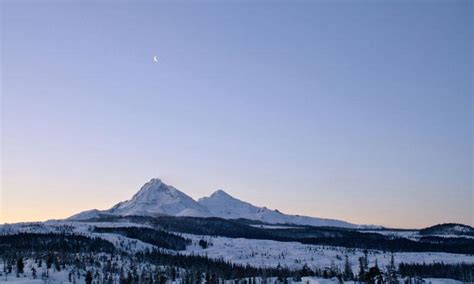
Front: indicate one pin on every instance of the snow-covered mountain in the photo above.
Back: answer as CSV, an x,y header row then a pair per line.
x,y
223,205
157,198
153,199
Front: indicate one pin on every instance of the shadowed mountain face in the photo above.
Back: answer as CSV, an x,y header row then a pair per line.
x,y
156,198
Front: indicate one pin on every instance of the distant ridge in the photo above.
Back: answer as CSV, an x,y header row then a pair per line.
x,y
223,205
448,229
156,198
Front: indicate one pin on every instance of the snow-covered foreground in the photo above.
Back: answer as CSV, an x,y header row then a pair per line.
x,y
68,273
57,279
73,275
61,277
257,253
269,253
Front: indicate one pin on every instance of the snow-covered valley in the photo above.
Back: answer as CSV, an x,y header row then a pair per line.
x,y
295,255
257,253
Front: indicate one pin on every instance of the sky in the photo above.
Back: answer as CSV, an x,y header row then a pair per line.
x,y
353,110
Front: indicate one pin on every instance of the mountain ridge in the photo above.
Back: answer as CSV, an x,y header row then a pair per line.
x,y
155,198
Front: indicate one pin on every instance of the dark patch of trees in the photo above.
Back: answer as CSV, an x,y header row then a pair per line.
x,y
216,268
20,265
463,272
39,243
88,278
379,242
204,244
158,238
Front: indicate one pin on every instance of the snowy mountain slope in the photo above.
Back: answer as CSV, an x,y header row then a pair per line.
x,y
223,205
153,199
157,198
87,215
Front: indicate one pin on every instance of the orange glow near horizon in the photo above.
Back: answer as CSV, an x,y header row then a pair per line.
x,y
15,207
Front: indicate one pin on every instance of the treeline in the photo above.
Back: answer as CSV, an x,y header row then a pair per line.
x,y
154,237
328,236
463,272
198,226
456,241
214,269
40,243
379,242
202,264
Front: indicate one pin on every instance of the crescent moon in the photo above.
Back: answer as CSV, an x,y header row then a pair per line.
x,y
155,58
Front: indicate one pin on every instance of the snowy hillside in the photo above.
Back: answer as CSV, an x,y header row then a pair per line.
x,y
449,230
223,205
116,252
157,198
268,253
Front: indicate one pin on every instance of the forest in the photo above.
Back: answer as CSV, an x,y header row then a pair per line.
x,y
154,237
329,236
97,260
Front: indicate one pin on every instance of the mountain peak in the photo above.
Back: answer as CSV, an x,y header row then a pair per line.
x,y
153,183
220,193
153,187
157,198
155,180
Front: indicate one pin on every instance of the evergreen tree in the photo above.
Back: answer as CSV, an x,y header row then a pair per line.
x,y
88,277
203,244
348,275
9,267
361,269
49,261
392,271
372,275
306,271
57,266
366,260
20,265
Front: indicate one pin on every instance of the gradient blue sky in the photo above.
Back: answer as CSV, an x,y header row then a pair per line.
x,y
356,110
